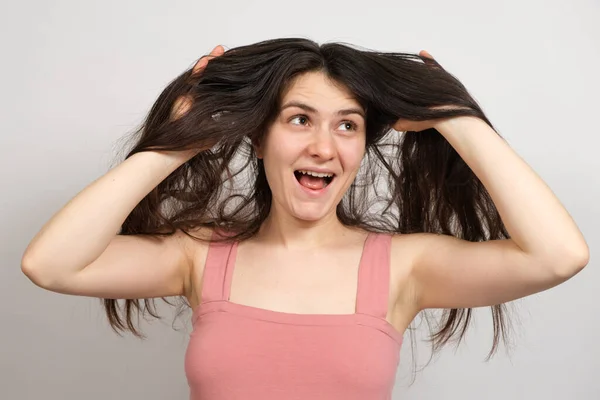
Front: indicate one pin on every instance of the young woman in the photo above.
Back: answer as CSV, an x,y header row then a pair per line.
x,y
308,202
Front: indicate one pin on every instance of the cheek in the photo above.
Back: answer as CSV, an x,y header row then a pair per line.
x,y
351,155
277,159
278,155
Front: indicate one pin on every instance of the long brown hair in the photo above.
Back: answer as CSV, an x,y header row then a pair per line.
x,y
429,188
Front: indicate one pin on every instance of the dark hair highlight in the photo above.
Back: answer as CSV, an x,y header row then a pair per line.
x,y
235,100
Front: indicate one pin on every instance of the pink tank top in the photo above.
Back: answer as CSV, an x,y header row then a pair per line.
x,y
243,352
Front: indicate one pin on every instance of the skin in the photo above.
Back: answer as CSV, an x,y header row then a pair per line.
x,y
304,139
546,247
436,271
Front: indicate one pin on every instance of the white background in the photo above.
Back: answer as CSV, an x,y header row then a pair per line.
x,y
79,75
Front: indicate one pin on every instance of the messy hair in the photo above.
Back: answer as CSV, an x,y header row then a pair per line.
x,y
408,182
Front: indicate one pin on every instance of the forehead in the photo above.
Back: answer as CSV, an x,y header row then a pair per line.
x,y
320,91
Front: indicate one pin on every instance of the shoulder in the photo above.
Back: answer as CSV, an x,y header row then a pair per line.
x,y
412,244
195,243
407,246
405,251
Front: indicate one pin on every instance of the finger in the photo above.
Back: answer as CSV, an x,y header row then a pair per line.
x,y
424,53
200,65
218,51
203,61
427,58
181,107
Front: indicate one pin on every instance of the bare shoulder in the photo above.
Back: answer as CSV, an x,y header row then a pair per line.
x,y
404,250
196,243
196,240
443,271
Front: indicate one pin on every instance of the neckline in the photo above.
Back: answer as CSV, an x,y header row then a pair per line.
x,y
231,264
297,319
282,317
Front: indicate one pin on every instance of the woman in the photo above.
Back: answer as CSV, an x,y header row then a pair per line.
x,y
303,282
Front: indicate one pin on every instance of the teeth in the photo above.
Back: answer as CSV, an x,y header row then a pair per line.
x,y
317,174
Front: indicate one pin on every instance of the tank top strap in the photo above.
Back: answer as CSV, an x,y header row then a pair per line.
x,y
218,269
374,276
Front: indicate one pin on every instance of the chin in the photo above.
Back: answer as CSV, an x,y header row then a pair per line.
x,y
311,212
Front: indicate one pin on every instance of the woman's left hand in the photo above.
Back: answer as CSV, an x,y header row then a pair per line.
x,y
404,125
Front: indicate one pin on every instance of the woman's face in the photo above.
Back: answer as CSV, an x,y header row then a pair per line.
x,y
314,148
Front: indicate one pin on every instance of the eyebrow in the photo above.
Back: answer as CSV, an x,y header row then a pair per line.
x,y
306,107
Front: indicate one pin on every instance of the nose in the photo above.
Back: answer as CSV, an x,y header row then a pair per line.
x,y
322,145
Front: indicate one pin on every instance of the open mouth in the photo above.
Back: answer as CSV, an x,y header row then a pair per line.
x,y
313,180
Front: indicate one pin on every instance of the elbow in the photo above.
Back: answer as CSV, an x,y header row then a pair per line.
x,y
36,274
30,271
572,264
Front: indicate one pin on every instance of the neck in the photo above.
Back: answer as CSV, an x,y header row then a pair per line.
x,y
292,233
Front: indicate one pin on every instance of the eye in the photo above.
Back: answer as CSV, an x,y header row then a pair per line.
x,y
301,117
352,125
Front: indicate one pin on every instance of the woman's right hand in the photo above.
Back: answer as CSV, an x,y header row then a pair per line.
x,y
183,103
79,251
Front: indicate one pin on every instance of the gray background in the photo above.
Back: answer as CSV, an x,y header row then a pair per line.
x,y
77,76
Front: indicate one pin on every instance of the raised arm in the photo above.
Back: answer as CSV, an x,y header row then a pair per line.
x,y
545,249
78,251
